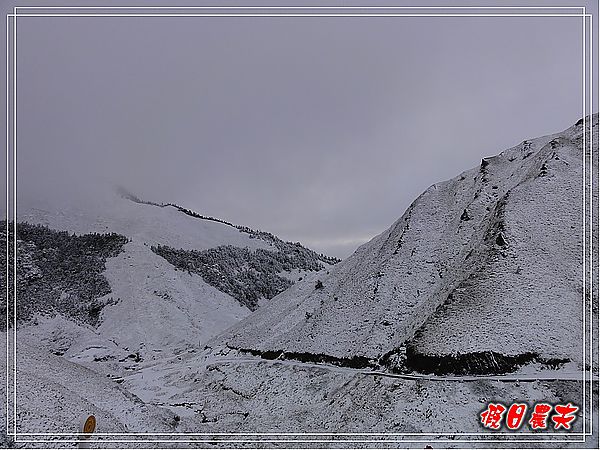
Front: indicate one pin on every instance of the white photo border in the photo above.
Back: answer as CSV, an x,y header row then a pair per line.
x,y
381,11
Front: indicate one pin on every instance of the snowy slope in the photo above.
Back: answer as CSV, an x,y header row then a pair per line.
x,y
154,310
244,395
490,261
141,222
53,395
161,311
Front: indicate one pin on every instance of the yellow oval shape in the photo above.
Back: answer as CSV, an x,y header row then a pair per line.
x,y
90,425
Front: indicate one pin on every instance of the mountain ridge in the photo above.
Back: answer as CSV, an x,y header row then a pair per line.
x,y
484,234
145,303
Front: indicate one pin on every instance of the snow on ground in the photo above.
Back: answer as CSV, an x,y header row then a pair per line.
x,y
53,395
159,311
219,394
161,307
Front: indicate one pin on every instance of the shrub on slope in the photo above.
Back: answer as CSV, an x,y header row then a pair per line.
x,y
244,274
57,272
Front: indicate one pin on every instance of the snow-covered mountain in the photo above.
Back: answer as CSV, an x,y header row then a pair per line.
x,y
142,281
482,272
474,295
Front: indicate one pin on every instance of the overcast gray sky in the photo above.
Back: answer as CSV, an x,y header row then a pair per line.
x,y
321,130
